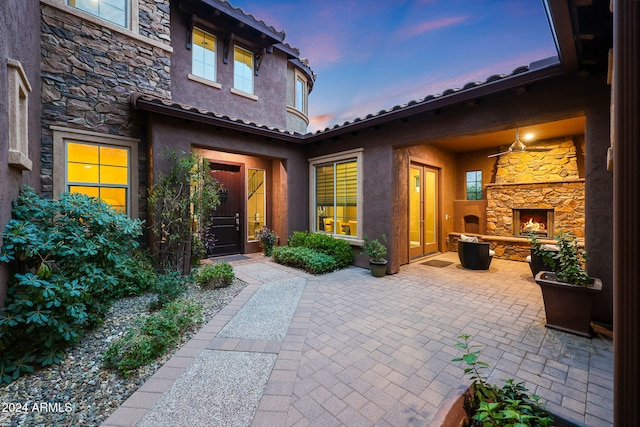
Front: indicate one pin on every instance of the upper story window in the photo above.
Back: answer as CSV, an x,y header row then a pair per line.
x,y
203,55
243,70
301,94
116,11
474,185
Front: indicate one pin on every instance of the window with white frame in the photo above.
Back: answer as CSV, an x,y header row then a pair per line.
x,y
336,191
116,11
97,165
18,94
301,94
243,70
203,55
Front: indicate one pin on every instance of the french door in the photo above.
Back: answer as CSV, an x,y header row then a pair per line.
x,y
423,210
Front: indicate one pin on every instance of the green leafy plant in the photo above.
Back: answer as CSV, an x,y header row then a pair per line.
x,y
267,239
376,250
338,249
160,331
217,275
198,251
488,405
307,259
168,287
178,200
65,257
568,262
135,275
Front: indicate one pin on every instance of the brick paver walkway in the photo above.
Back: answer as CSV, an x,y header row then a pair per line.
x,y
361,351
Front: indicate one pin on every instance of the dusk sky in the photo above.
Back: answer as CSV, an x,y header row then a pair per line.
x,y
372,55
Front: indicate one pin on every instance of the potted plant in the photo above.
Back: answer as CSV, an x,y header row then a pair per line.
x,y
268,239
567,290
487,404
377,252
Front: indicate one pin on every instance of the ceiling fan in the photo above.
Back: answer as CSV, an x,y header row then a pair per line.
x,y
517,146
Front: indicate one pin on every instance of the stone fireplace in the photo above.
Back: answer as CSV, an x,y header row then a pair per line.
x,y
532,191
541,187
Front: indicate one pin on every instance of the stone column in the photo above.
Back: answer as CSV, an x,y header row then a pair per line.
x,y
626,252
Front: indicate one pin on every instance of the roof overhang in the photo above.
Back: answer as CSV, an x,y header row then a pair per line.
x,y
470,92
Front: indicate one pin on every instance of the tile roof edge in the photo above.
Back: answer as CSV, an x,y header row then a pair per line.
x,y
538,70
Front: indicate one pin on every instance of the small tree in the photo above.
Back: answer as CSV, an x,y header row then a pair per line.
x,y
178,202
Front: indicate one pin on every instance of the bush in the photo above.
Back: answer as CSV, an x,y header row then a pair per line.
x,y
308,259
339,249
168,287
216,275
65,257
135,276
159,332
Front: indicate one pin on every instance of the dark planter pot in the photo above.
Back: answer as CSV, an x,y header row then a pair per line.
x,y
567,306
453,412
378,269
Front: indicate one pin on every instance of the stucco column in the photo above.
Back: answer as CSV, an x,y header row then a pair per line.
x,y
626,212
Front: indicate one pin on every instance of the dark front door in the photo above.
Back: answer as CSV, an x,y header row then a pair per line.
x,y
225,224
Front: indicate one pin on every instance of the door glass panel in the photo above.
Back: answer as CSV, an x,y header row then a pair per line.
x,y
415,187
430,207
255,202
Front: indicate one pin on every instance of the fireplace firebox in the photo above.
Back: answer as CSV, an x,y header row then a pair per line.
x,y
538,222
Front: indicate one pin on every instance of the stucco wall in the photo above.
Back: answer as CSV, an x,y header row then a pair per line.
x,y
20,42
269,86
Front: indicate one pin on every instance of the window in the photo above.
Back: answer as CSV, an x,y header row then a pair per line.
x,y
116,11
301,94
336,191
474,185
99,171
243,70
256,202
18,94
97,165
203,55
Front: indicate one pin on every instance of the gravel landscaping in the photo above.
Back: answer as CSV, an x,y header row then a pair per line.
x,y
80,391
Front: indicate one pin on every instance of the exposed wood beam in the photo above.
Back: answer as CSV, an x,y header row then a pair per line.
x,y
560,15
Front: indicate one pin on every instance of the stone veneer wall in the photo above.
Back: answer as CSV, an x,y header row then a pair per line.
x,y
559,163
89,71
567,198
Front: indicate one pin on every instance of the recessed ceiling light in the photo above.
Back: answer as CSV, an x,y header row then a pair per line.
x,y
528,136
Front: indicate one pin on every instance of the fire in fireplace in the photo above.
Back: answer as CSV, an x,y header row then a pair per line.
x,y
536,221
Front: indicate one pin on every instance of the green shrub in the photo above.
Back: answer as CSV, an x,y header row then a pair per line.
x,y
488,404
308,259
168,287
64,257
135,276
159,332
216,275
339,249
198,251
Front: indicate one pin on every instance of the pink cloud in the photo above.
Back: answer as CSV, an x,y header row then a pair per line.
x,y
427,26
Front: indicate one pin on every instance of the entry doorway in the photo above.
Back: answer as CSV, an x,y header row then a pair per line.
x,y
225,224
423,210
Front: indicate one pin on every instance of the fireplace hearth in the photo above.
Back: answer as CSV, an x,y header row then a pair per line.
x,y
538,222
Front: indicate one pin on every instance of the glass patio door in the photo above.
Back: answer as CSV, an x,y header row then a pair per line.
x,y
423,210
